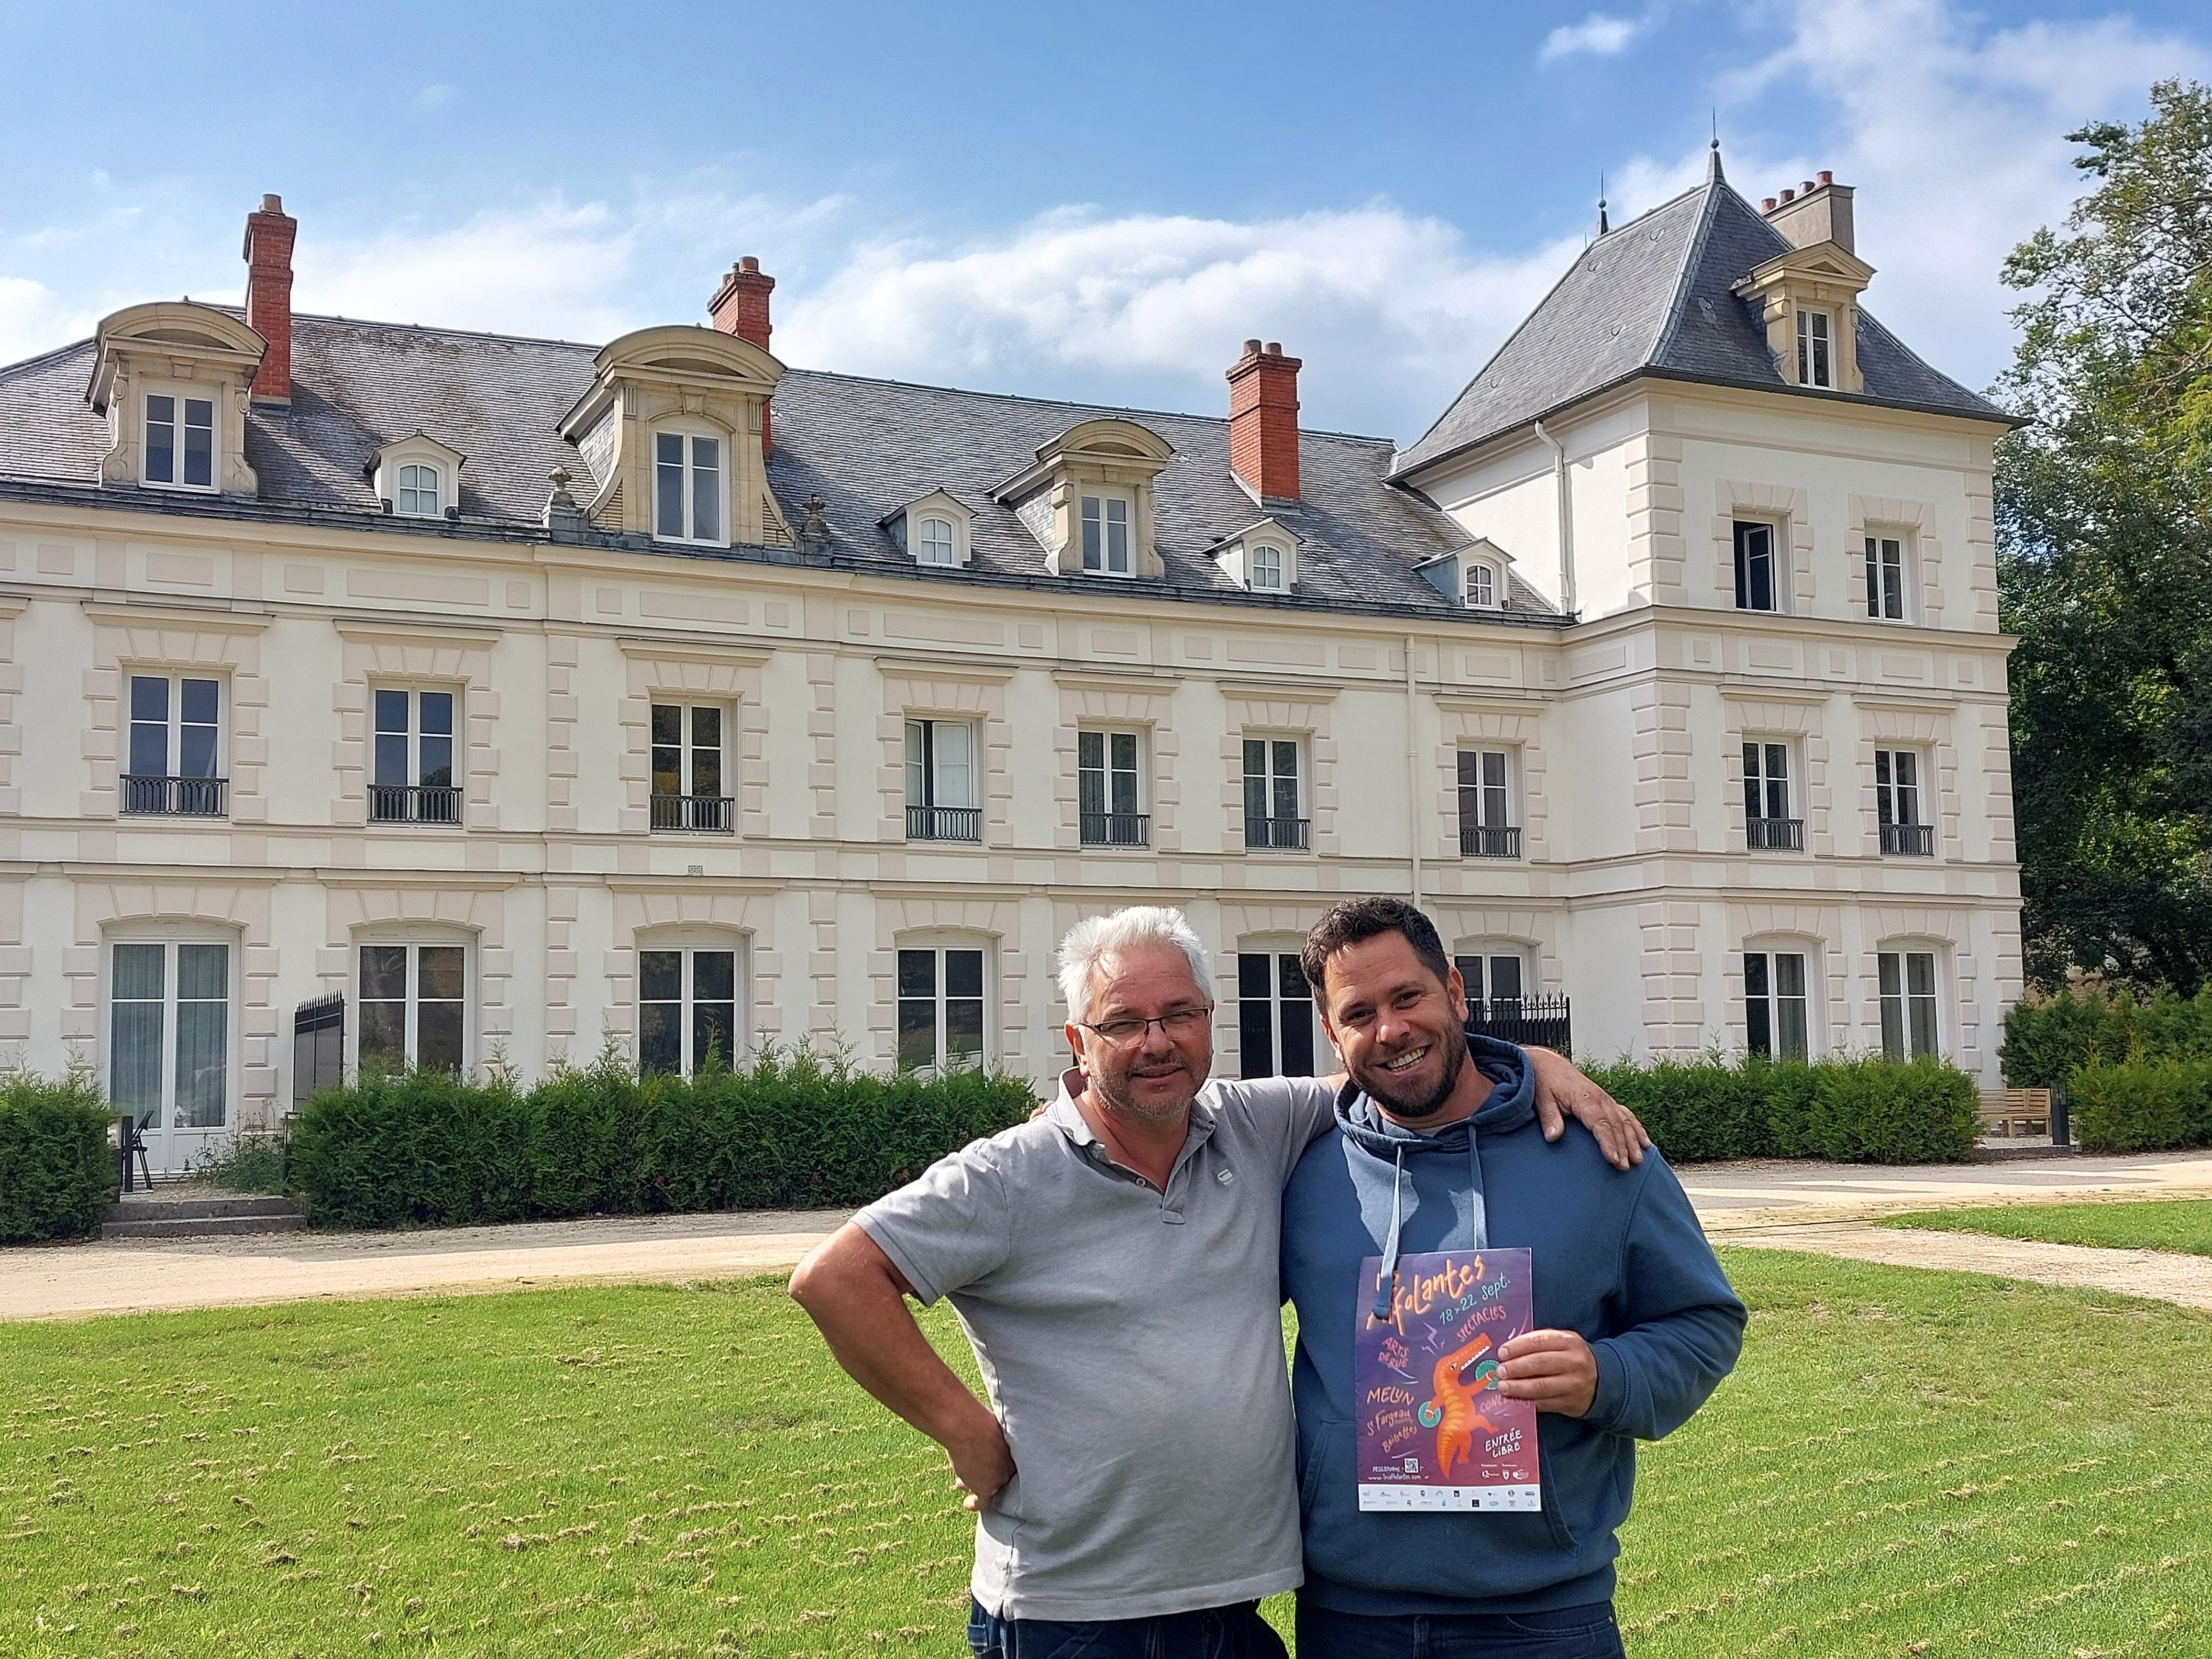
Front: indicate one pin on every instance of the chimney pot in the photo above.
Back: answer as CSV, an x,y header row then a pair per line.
x,y
1767,206
1826,177
1263,421
1806,188
1789,195
739,306
270,234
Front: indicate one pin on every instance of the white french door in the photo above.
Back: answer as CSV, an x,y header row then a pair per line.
x,y
168,1044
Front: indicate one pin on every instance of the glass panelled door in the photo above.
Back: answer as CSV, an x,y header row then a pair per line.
x,y
169,1053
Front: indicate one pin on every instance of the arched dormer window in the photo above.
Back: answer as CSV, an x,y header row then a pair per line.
x,y
172,380
1087,499
934,543
421,494
690,486
1267,568
1481,586
1262,558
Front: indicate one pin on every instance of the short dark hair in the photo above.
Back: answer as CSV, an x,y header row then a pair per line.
x,y
1360,919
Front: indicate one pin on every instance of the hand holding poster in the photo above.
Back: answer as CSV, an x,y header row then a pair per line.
x,y
1434,1432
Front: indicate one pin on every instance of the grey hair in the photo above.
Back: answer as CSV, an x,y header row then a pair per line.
x,y
1094,938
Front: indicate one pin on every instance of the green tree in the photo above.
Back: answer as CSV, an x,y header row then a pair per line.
x,y
2104,547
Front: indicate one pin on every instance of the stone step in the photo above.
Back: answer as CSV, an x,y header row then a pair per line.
x,y
184,1205
211,1226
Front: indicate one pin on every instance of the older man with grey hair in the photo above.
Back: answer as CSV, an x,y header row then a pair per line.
x,y
1114,1263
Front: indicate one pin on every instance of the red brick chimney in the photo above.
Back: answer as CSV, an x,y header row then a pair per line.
x,y
1263,421
270,234
740,307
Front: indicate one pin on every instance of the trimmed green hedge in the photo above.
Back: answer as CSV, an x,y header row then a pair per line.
x,y
2048,1040
1853,1111
789,1131
2143,1105
57,1170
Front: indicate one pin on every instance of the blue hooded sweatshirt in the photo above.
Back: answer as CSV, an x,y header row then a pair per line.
x,y
1618,1257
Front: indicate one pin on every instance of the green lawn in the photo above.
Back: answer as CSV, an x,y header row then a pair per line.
x,y
2163,1224
1903,1458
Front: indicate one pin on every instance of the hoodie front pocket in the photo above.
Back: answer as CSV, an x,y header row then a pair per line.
x,y
1562,1534
1326,1437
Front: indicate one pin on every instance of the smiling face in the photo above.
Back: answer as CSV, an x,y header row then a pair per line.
x,y
1402,1031
1156,1075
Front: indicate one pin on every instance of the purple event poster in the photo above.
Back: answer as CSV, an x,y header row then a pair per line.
x,y
1434,1431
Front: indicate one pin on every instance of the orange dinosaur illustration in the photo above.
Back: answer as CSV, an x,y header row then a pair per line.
x,y
1450,1411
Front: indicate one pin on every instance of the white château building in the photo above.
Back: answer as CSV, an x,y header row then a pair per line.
x,y
445,697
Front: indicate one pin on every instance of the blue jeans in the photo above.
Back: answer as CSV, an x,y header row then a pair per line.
x,y
1583,1632
1234,1633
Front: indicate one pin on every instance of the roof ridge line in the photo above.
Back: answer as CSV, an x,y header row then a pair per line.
x,y
1693,257
47,355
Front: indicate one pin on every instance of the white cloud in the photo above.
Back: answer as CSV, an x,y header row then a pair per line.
x,y
1598,34
33,320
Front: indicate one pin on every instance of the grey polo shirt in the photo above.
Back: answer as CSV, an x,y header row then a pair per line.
x,y
1131,1340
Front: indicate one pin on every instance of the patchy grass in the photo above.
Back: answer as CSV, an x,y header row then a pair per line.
x,y
2163,1224
1907,1462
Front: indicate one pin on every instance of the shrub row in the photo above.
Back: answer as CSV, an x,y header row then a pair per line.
x,y
57,1170
788,1130
2047,1039
2143,1105
1853,1111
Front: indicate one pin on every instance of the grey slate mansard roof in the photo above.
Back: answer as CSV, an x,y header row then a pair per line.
x,y
867,447
1657,297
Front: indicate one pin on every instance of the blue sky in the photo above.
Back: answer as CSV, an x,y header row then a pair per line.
x,y
1095,202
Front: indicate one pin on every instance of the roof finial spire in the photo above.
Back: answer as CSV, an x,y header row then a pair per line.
x,y
1713,173
1601,225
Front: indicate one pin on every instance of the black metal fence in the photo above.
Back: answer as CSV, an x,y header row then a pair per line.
x,y
1545,1021
1289,834
408,803
707,812
944,823
183,798
1909,840
318,1047
1774,834
1117,829
1490,841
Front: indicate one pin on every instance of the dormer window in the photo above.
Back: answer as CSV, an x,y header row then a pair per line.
x,y
420,495
1267,568
1816,358
1106,535
687,488
179,442
933,543
1482,587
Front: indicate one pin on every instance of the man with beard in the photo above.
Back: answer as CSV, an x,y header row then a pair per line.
x,y
1114,1262
1436,1150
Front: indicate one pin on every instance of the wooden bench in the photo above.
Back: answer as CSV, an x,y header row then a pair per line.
x,y
2007,1113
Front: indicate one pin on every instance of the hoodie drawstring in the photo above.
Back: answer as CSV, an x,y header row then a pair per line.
x,y
1386,1288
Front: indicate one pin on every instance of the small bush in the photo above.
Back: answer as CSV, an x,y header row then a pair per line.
x,y
2047,1039
1857,1111
789,1130
2144,1105
57,1170
249,1163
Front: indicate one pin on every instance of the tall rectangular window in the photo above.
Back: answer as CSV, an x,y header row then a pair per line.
x,y
1897,806
1493,983
1270,793
412,779
1815,366
1767,821
1106,535
687,787
940,1009
1908,1003
1107,811
1755,585
414,1008
179,442
419,494
1274,1015
169,1033
1884,577
687,1010
175,759
940,781
1776,1008
1485,824
687,488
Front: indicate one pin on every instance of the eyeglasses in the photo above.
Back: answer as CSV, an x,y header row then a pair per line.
x,y
1180,1024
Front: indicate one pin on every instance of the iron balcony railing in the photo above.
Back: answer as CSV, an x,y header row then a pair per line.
x,y
1117,829
1774,834
706,812
1543,1022
414,803
180,798
1287,833
1490,841
1909,840
944,823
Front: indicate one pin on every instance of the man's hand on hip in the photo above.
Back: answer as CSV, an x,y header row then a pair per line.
x,y
1554,1369
1562,1091
980,1469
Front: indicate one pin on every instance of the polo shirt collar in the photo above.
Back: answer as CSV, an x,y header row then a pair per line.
x,y
1067,1117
